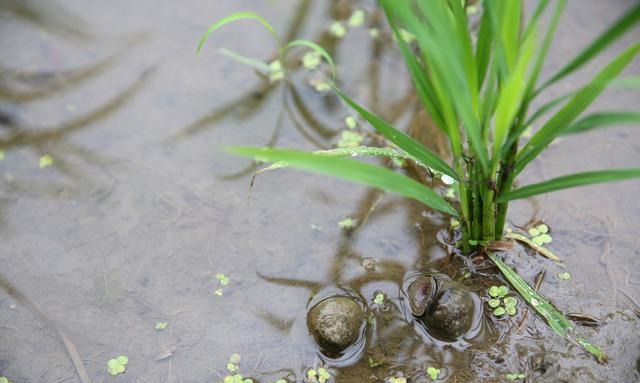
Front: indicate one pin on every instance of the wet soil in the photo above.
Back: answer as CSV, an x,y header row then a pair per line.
x,y
141,209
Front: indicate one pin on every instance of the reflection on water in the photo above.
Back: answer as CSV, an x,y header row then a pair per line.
x,y
144,245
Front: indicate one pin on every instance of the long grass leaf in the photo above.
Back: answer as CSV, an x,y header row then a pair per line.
x,y
234,17
511,96
546,43
554,318
352,170
405,142
574,107
446,59
420,80
314,47
617,29
600,120
570,181
257,64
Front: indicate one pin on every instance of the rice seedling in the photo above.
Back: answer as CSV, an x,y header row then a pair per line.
x,y
478,89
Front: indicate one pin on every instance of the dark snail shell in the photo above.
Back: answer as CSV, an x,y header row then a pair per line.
x,y
443,306
336,323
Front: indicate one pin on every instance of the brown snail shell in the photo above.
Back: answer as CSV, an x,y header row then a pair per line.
x,y
443,306
337,322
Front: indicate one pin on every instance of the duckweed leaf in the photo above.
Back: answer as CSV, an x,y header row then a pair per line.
x,y
493,291
433,373
510,301
503,291
493,303
314,48
564,276
161,325
350,122
45,161
554,318
511,310
356,171
337,29
500,311
311,60
515,376
356,19
346,223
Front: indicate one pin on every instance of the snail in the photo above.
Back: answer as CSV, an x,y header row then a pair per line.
x,y
336,320
444,307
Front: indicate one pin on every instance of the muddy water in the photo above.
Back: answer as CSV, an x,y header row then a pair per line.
x,y
141,209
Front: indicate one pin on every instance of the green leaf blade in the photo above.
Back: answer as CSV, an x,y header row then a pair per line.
x,y
234,17
574,107
352,170
601,120
405,142
617,29
554,318
570,181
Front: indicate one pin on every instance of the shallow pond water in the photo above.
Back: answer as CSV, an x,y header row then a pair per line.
x,y
140,209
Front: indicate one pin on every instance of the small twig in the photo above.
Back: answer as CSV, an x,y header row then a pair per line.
x,y
541,250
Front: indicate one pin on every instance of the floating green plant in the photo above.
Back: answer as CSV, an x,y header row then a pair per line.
x,y
399,379
1,158
356,19
117,365
161,326
350,122
350,139
515,376
500,302
233,366
565,276
347,223
433,373
321,375
4,379
45,161
337,29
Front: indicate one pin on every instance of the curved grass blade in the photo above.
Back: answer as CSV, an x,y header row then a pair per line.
x,y
600,120
554,318
574,107
570,181
616,30
419,76
257,64
234,17
314,47
359,151
352,170
405,142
